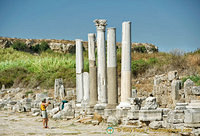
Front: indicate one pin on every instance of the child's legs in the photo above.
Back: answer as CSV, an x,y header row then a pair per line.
x,y
44,122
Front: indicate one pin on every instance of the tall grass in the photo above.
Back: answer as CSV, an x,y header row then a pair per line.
x,y
43,68
24,69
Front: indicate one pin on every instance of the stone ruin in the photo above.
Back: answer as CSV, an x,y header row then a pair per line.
x,y
172,105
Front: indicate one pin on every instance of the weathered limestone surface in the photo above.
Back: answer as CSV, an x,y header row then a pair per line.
x,y
155,124
79,87
134,93
150,115
176,116
59,90
126,85
196,90
112,68
188,84
173,75
86,87
101,52
133,114
192,114
79,70
150,104
176,86
92,70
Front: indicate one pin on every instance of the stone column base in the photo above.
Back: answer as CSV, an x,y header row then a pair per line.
x,y
99,108
109,112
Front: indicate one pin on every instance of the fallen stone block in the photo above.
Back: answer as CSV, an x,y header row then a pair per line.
x,y
155,124
192,116
150,104
54,111
150,115
36,114
176,116
133,114
34,110
173,75
196,90
181,106
112,120
109,112
57,115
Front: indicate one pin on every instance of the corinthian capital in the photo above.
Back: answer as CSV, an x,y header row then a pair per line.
x,y
100,24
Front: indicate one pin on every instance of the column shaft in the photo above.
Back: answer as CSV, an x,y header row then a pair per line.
x,y
92,70
126,62
101,52
112,68
79,70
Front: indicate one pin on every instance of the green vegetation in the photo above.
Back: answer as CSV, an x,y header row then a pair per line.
x,y
140,49
20,46
20,68
194,78
28,92
38,48
26,70
141,65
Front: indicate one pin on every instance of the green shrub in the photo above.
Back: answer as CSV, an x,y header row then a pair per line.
x,y
140,49
38,48
194,78
140,66
28,92
20,46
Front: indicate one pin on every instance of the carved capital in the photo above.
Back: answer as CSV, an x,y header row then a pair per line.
x,y
100,24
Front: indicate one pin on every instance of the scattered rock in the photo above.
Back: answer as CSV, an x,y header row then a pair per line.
x,y
95,122
155,125
196,90
112,120
173,75
150,104
36,113
57,116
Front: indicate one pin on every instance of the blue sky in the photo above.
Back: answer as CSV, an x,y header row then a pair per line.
x,y
169,24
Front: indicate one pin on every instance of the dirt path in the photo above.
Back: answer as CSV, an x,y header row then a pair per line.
x,y
23,124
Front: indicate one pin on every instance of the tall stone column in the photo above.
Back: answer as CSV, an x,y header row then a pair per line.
x,y
79,70
101,52
112,68
92,70
126,64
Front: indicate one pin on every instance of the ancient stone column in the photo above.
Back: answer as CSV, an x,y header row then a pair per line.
x,y
79,70
126,64
101,52
112,68
86,87
92,70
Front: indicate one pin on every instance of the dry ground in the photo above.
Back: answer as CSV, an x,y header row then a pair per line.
x,y
23,124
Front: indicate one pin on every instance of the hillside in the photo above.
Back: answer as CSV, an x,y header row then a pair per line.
x,y
32,70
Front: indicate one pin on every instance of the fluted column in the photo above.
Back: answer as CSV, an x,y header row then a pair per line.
x,y
112,68
101,52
